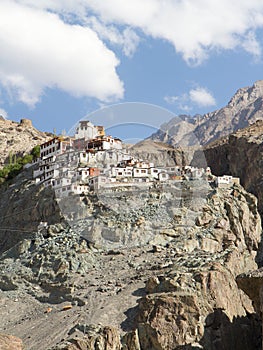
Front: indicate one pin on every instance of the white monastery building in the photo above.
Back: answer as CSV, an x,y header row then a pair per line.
x,y
92,160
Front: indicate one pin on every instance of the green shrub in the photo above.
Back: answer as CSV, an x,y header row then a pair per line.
x,y
16,164
35,152
14,170
25,160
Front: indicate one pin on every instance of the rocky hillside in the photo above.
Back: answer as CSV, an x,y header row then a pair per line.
x,y
161,154
240,154
18,138
244,108
133,270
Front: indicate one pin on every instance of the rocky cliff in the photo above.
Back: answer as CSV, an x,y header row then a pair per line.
x,y
240,154
244,108
18,138
136,270
23,205
162,154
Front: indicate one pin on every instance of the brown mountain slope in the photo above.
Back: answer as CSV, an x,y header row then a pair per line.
x,y
240,154
18,138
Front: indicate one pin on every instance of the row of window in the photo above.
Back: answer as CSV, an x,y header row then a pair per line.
x,y
45,153
49,143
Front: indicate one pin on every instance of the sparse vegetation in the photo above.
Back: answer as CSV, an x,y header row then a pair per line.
x,y
35,152
16,164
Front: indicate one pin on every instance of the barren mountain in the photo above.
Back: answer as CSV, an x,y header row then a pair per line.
x,y
240,154
244,108
128,271
161,153
18,138
133,269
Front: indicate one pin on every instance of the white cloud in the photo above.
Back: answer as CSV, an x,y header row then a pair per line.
x,y
127,38
251,45
181,102
198,96
42,48
3,113
193,27
39,50
202,97
171,99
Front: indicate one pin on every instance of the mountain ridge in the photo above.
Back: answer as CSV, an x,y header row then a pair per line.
x,y
244,108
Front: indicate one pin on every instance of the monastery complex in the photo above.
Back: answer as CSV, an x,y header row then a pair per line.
x,y
91,160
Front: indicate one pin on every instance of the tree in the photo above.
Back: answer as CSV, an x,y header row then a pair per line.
x,y
35,152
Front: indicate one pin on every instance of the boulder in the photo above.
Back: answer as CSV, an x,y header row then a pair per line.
x,y
9,342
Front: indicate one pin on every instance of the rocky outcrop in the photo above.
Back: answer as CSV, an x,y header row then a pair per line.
x,y
162,154
150,269
23,205
252,284
244,108
191,299
96,337
240,155
18,138
48,258
197,302
9,342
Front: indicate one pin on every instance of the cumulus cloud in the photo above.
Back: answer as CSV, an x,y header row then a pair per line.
x,y
198,96
127,38
193,27
39,50
251,45
65,44
202,97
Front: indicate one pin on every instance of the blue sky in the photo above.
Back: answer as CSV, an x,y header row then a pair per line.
x,y
60,62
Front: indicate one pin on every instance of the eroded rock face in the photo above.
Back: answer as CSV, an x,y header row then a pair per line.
x,y
187,245
197,301
50,259
96,337
201,308
192,300
23,205
240,155
18,138
160,153
9,342
252,284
